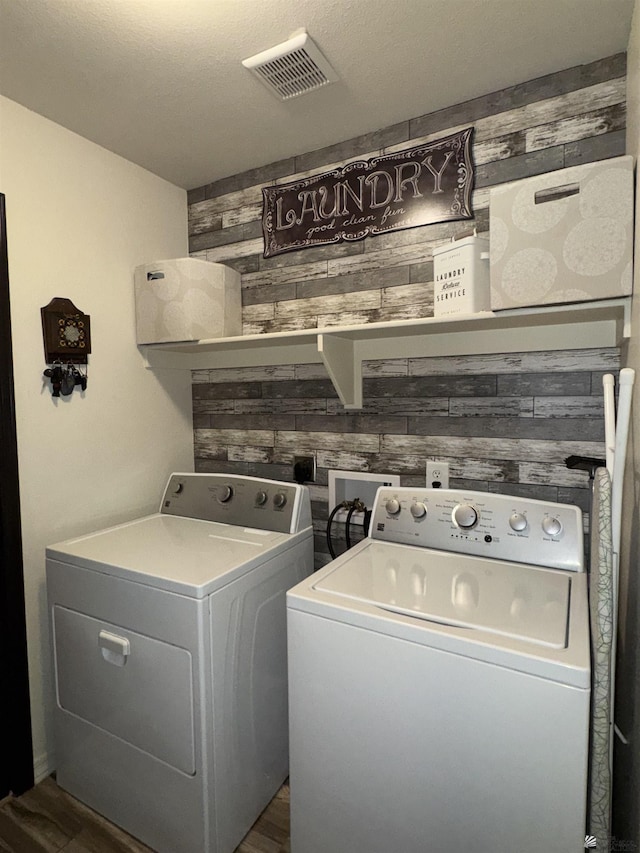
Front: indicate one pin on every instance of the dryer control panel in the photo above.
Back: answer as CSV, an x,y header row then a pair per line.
x,y
241,501
496,526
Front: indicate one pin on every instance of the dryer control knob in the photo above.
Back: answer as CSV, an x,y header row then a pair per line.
x,y
279,500
465,516
551,526
518,522
226,493
261,498
418,510
177,488
393,506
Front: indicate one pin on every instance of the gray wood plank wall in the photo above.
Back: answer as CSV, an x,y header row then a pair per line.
x,y
504,423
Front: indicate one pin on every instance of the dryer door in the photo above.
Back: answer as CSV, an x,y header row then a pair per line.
x,y
134,687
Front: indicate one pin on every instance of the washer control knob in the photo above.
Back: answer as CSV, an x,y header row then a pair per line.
x,y
551,526
279,500
418,510
226,493
465,516
518,522
177,488
261,498
393,506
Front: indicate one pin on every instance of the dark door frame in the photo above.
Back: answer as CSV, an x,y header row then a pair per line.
x,y
16,751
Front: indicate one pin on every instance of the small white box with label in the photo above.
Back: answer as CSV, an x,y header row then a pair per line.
x,y
461,277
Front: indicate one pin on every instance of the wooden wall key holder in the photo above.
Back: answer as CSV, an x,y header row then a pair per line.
x,y
66,333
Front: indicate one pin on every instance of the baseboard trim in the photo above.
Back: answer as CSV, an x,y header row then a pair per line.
x,y
43,766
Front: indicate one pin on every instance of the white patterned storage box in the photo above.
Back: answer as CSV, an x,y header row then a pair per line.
x,y
461,277
564,236
186,299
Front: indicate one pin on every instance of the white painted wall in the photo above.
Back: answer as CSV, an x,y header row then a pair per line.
x,y
79,219
627,757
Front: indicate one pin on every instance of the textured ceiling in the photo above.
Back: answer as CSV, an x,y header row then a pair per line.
x,y
161,81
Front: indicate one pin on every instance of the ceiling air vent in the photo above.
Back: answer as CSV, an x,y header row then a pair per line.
x,y
292,68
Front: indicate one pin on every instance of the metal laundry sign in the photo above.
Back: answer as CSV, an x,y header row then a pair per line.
x,y
418,186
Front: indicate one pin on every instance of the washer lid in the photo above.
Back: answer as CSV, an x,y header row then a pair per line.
x,y
513,600
182,555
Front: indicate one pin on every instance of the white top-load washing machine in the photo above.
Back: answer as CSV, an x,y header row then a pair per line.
x,y
169,640
439,682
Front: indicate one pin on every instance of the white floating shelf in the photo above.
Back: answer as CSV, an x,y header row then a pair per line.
x,y
342,349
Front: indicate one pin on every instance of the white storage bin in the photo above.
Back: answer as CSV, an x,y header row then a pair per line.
x,y
186,299
461,277
565,236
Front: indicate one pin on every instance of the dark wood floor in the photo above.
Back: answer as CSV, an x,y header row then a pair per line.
x,y
48,820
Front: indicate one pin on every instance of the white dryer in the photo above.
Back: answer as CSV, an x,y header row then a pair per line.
x,y
169,641
439,681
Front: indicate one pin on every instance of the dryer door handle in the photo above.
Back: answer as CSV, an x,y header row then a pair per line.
x,y
114,649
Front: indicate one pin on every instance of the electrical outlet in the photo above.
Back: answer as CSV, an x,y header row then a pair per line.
x,y
304,469
437,475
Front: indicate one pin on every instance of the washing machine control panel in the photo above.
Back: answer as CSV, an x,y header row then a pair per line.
x,y
242,501
496,526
